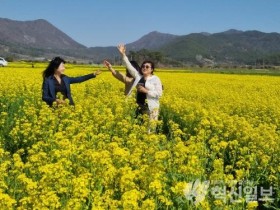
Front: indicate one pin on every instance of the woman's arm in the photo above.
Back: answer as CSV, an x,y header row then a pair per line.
x,y
157,91
134,73
83,78
121,77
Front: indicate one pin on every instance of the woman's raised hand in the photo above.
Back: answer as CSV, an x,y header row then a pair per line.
x,y
121,48
107,64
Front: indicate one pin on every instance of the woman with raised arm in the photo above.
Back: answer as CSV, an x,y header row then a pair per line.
x,y
149,87
127,79
55,82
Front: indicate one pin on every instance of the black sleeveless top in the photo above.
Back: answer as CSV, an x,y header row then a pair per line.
x,y
141,97
60,88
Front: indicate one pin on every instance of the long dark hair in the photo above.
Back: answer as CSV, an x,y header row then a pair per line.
x,y
53,65
136,66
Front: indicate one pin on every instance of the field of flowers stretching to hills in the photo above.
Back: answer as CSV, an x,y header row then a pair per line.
x,y
217,144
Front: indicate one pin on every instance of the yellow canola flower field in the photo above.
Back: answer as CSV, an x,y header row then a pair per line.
x,y
215,131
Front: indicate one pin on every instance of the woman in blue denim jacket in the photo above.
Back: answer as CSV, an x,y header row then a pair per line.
x,y
55,82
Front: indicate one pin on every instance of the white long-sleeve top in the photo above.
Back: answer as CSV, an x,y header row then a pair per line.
x,y
153,85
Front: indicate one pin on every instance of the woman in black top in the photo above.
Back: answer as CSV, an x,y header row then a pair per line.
x,y
60,88
141,99
56,82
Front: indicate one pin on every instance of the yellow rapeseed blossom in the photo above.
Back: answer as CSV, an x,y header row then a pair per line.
x,y
95,155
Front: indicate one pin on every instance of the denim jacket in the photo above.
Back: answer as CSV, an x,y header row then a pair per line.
x,y
48,87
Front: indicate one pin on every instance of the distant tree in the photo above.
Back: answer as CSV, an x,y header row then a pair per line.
x,y
273,59
10,59
250,67
144,54
132,55
157,57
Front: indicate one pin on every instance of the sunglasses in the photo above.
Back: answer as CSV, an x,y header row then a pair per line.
x,y
145,67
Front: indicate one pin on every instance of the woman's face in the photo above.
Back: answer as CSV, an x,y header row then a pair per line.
x,y
146,69
60,68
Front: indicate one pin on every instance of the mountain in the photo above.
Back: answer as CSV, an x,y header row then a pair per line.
x,y
39,38
35,34
205,33
232,31
230,46
151,41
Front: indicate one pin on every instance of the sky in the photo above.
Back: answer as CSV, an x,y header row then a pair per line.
x,y
109,22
